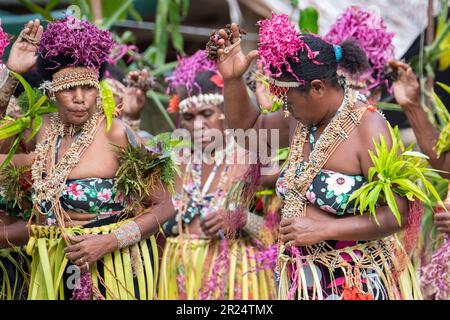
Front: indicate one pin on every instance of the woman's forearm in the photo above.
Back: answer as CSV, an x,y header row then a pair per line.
x,y
150,222
8,84
14,234
427,136
361,227
239,110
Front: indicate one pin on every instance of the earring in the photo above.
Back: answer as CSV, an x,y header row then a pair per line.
x,y
221,116
285,106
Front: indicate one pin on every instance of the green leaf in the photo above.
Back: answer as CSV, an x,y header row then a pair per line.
x,y
117,14
37,123
11,152
309,18
391,203
443,86
389,106
36,9
28,89
161,38
416,154
135,14
51,4
151,94
108,103
174,18
36,106
184,8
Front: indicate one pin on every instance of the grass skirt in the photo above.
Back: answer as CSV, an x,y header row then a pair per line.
x,y
125,274
14,273
202,269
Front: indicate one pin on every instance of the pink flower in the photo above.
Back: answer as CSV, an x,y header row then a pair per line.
x,y
74,190
311,196
105,195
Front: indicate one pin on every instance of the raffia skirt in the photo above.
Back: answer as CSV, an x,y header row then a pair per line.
x,y
204,269
127,274
373,270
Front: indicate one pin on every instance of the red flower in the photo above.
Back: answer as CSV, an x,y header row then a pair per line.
x,y
217,80
371,106
173,104
259,205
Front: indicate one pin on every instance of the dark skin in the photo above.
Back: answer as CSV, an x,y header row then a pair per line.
x,y
22,59
206,118
76,106
317,106
407,94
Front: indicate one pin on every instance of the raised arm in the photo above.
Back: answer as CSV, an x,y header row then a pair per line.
x,y
407,94
239,109
22,59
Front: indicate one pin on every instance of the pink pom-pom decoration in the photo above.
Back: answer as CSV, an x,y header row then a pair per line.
x,y
278,42
4,41
186,70
81,40
370,32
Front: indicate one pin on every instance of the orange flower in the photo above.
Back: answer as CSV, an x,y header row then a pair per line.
x,y
173,104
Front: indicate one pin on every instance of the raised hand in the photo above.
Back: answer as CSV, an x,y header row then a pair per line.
x,y
232,62
138,82
22,57
406,87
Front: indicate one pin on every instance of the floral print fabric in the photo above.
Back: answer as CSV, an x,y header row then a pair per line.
x,y
329,190
90,195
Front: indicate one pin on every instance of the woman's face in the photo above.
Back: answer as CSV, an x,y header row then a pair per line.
x,y
76,105
201,123
310,107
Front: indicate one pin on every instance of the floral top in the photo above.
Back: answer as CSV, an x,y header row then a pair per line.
x,y
89,195
329,190
197,204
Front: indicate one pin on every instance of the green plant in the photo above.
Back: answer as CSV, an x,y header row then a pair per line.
x,y
142,169
443,142
169,14
38,105
404,173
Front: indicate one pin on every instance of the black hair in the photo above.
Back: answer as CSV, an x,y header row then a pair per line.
x,y
47,68
353,61
203,80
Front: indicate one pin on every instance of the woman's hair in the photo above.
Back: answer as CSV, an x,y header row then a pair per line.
x,y
204,85
324,65
46,68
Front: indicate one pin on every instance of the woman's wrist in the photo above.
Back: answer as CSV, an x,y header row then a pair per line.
x,y
127,234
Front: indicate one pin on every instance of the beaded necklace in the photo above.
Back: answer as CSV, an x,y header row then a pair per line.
x,y
344,121
49,176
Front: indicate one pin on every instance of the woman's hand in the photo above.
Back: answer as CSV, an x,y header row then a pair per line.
x,y
406,87
234,64
133,103
89,248
22,57
212,223
301,231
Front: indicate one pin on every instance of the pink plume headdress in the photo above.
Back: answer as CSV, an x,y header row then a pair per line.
x,y
4,41
278,42
371,34
187,69
81,40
